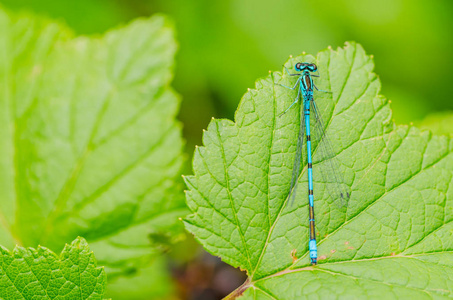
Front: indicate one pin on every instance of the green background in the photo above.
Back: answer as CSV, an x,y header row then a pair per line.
x,y
226,45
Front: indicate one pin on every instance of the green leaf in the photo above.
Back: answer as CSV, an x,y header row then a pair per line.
x,y
89,144
31,273
394,239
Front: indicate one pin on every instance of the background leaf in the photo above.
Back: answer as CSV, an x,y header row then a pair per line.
x,y
89,144
394,238
149,282
30,273
438,123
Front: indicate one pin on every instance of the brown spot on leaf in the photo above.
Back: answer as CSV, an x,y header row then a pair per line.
x,y
293,255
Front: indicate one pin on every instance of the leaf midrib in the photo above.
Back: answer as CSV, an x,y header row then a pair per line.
x,y
69,185
346,275
238,226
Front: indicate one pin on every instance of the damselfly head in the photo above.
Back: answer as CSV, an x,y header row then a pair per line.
x,y
305,66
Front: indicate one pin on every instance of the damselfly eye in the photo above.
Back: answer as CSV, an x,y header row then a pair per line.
x,y
298,67
313,67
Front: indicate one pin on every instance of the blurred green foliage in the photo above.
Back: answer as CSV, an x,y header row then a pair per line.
x,y
438,123
226,45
